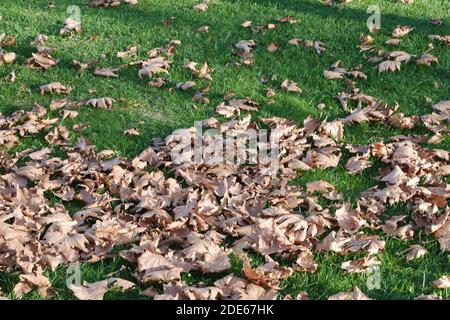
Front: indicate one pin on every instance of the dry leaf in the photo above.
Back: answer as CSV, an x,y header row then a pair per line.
x,y
102,103
106,72
11,77
272,47
290,86
154,66
388,65
41,60
393,42
414,252
7,57
360,265
203,29
426,59
401,31
186,85
201,7
132,132
245,45
128,52
55,87
70,26
357,294
90,291
442,283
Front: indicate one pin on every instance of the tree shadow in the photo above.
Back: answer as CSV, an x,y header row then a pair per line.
x,y
342,12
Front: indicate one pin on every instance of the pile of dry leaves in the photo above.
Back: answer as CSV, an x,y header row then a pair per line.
x,y
179,225
212,209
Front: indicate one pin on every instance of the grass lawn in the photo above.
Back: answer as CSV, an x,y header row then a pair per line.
x,y
157,112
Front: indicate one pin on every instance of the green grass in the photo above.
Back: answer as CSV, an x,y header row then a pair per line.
x,y
107,31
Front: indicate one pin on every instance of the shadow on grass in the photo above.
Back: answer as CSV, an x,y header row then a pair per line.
x,y
340,12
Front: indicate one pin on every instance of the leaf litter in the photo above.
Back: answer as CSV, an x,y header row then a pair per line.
x,y
174,225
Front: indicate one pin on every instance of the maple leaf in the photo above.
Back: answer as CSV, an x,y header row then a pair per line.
x,y
106,72
154,66
202,6
356,294
401,31
41,60
388,65
70,26
414,252
130,51
132,132
90,291
56,87
290,86
442,283
245,45
272,47
7,57
426,59
102,103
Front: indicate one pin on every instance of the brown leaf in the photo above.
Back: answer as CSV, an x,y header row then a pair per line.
x,y
305,262
11,77
70,26
71,114
268,275
154,66
132,132
201,7
39,40
41,60
40,155
290,86
414,252
393,42
272,47
186,85
6,40
234,106
388,65
57,104
56,87
442,283
106,72
396,176
129,52
401,31
7,57
90,291
245,45
156,267
426,59
203,29
332,74
361,265
289,19
391,228
357,294
357,164
102,103
120,284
